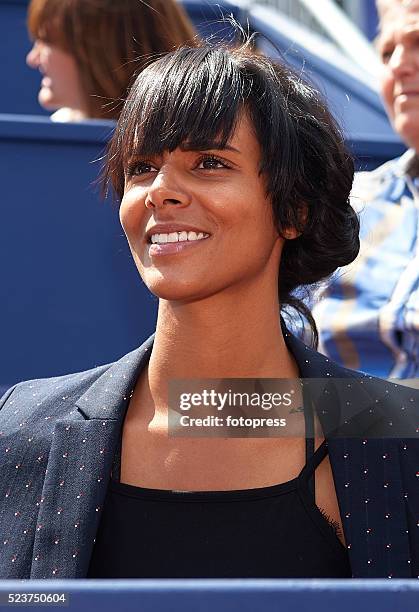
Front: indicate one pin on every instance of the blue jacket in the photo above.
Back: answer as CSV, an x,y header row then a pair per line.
x,y
58,437
367,314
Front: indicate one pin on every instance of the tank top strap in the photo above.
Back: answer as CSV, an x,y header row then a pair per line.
x,y
313,458
309,430
307,474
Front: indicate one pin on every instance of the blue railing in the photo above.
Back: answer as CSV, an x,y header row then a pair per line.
x,y
226,595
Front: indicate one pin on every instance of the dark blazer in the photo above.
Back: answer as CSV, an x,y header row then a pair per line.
x,y
58,438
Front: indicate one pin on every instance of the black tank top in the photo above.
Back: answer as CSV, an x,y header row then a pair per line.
x,y
268,532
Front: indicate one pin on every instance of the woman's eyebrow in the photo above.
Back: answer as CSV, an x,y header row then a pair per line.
x,y
207,147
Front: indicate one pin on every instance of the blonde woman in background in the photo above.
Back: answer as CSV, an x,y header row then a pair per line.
x,y
88,51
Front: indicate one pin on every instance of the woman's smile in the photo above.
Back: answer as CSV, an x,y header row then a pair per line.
x,y
168,239
175,242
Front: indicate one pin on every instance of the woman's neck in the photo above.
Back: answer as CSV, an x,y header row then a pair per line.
x,y
218,338
235,333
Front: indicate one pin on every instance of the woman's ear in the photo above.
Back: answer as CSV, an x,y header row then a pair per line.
x,y
291,233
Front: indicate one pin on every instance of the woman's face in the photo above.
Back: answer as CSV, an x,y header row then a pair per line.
x,y
60,85
215,198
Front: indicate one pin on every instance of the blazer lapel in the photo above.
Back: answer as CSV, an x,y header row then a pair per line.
x,y
366,470
78,471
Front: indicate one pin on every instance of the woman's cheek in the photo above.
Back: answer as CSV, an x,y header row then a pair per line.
x,y
131,212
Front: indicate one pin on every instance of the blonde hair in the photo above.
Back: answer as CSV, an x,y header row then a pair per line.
x,y
111,41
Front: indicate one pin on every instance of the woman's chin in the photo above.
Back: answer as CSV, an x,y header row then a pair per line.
x,y
174,294
175,290
46,99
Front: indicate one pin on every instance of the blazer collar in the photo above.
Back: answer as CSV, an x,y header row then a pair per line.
x,y
112,390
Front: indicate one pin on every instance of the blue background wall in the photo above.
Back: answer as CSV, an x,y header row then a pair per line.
x,y
20,83
370,19
70,297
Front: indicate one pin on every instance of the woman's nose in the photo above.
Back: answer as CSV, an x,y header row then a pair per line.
x,y
164,191
32,58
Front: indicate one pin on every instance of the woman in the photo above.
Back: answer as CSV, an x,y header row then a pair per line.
x,y
234,186
88,51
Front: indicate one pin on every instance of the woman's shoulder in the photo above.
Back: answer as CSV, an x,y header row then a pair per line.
x,y
59,393
29,412
36,390
357,404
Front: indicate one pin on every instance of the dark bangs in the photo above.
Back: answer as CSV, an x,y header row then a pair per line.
x,y
190,95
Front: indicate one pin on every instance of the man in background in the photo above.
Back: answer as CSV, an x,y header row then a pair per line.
x,y
368,317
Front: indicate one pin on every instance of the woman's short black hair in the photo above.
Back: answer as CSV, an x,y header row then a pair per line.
x,y
198,94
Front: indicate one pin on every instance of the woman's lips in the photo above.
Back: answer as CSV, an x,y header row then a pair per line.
x,y
171,248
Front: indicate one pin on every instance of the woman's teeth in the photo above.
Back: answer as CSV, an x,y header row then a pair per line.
x,y
177,237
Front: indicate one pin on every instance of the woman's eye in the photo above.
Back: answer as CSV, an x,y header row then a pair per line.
x,y
211,163
139,168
